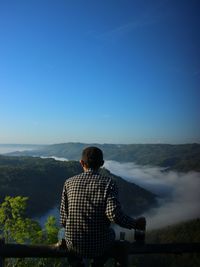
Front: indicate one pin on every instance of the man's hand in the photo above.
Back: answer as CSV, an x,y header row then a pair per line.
x,y
140,223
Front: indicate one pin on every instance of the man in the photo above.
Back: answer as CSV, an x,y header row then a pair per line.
x,y
89,205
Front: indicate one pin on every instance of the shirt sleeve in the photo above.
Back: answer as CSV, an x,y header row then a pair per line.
x,y
114,211
63,208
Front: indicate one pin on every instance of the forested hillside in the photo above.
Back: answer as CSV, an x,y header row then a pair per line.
x,y
184,232
182,158
41,180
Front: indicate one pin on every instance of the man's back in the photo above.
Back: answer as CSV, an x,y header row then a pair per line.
x,y
86,223
89,204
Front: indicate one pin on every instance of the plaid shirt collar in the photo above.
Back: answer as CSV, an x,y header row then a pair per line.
x,y
92,171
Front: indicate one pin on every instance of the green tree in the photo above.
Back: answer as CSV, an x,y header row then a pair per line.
x,y
51,230
16,227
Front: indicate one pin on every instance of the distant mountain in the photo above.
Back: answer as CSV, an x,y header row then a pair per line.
x,y
42,181
183,158
7,148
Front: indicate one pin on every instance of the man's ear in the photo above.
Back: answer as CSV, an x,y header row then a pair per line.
x,y
82,163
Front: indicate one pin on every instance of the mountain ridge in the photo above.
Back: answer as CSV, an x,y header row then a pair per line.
x,y
182,157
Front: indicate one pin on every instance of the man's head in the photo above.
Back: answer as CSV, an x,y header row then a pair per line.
x,y
92,158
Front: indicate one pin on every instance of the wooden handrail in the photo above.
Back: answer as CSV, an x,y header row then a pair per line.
x,y
24,250
124,248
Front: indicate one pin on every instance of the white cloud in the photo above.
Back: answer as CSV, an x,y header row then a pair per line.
x,y
179,192
56,158
183,205
147,177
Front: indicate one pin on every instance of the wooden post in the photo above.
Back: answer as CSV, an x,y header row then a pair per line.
x,y
121,251
2,260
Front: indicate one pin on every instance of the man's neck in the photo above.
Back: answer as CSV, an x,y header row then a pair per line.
x,y
90,169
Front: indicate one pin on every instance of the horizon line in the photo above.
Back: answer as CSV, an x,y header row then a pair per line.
x,y
93,143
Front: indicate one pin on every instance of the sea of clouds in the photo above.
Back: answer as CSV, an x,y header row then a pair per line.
x,y
178,193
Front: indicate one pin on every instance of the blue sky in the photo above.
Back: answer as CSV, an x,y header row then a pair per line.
x,y
120,71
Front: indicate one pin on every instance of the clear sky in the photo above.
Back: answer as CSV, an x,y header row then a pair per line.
x,y
105,71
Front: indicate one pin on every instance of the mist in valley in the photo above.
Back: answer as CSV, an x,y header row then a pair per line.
x,y
178,193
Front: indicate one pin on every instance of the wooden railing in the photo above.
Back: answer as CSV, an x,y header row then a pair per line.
x,y
121,250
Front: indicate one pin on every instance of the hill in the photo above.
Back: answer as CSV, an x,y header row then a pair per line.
x,y
181,232
42,180
182,158
184,232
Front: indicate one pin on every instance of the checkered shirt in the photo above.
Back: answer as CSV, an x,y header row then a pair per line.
x,y
89,205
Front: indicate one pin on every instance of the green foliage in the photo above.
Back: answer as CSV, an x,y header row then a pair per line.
x,y
51,230
16,227
13,224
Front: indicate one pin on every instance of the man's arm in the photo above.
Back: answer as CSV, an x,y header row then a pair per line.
x,y
63,208
115,213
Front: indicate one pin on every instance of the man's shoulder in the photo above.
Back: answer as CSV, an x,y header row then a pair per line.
x,y
89,175
106,180
74,178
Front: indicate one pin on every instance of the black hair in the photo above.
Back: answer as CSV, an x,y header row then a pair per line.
x,y
93,157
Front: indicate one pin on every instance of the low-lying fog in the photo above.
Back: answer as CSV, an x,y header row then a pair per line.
x,y
6,148
178,193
